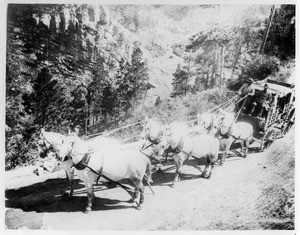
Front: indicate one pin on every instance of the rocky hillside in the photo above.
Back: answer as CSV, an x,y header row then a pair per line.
x,y
97,66
165,31
162,31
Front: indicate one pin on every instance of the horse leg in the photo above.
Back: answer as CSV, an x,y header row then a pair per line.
x,y
135,194
246,148
243,147
89,181
90,197
212,164
205,170
208,161
178,158
141,189
69,178
225,153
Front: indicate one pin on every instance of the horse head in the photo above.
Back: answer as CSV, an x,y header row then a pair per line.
x,y
206,120
172,135
225,122
68,144
73,146
44,145
152,133
160,148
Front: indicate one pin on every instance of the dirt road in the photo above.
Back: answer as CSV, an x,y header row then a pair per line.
x,y
229,200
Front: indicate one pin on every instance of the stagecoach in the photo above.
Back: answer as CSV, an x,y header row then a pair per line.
x,y
280,113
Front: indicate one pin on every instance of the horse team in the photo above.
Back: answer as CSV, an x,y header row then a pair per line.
x,y
108,159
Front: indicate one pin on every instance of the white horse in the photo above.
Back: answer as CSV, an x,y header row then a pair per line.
x,y
207,123
230,132
111,163
52,142
176,139
151,134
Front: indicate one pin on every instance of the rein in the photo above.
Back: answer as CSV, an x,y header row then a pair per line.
x,y
45,148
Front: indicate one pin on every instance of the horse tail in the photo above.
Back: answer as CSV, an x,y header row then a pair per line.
x,y
148,172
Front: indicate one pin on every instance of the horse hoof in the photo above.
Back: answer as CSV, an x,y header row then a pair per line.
x,y
65,194
139,207
172,185
87,210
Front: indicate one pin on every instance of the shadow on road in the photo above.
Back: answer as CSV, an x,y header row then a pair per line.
x,y
46,197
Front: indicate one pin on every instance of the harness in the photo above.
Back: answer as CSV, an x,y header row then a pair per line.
x,y
46,149
229,134
154,140
178,148
83,163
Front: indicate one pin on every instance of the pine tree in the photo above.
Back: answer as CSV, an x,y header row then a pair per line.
x,y
180,82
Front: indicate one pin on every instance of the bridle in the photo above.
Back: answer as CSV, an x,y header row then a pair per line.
x,y
153,140
44,146
48,147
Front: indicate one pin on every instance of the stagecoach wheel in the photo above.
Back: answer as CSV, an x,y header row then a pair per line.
x,y
289,122
267,139
287,128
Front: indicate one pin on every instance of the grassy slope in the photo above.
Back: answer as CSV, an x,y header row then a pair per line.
x,y
276,204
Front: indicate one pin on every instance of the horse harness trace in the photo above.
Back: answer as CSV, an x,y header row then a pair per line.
x,y
179,148
83,163
228,134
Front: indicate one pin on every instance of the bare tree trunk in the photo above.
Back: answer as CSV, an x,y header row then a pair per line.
x,y
261,50
213,82
187,75
238,54
222,64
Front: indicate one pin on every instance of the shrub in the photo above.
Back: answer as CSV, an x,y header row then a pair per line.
x,y
181,108
18,152
262,66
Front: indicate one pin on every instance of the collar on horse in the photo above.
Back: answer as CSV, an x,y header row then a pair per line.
x,y
178,148
83,163
229,134
154,140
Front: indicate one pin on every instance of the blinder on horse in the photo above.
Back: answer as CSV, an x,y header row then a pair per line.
x,y
46,146
42,144
154,140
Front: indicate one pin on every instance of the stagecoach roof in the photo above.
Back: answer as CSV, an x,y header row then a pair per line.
x,y
281,88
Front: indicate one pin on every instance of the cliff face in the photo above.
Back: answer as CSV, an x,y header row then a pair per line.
x,y
161,32
94,28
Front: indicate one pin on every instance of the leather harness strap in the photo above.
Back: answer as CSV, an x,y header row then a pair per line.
x,y
83,163
179,148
